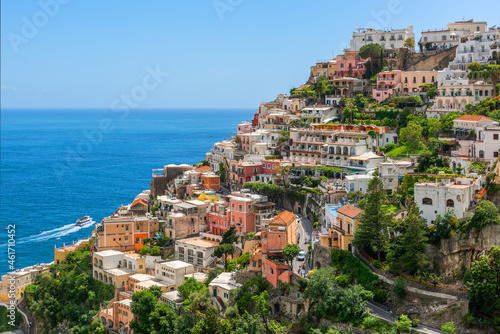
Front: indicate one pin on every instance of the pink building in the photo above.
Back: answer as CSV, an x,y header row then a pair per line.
x,y
350,65
247,169
277,270
244,127
219,218
241,211
387,83
269,165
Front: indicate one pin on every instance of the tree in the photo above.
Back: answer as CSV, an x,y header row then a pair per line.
x,y
163,319
407,251
483,285
222,172
411,136
229,237
353,197
443,227
283,174
189,286
210,323
484,71
155,250
372,232
409,43
316,225
262,304
372,51
486,213
404,324
143,304
291,251
145,249
224,250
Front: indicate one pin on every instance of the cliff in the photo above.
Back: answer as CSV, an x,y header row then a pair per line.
x,y
457,252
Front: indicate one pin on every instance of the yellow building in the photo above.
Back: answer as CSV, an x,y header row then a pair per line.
x,y
412,80
341,234
210,196
18,281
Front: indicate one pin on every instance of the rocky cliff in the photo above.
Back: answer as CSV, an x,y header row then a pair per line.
x,y
459,251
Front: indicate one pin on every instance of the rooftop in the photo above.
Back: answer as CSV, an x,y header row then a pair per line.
x,y
474,118
108,253
349,211
284,218
198,241
177,264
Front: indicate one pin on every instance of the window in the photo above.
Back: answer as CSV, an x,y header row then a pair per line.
x,y
138,240
254,264
495,154
126,227
423,79
414,79
137,227
450,203
495,136
240,208
271,271
406,79
427,201
432,79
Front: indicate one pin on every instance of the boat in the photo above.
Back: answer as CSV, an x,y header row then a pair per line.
x,y
83,221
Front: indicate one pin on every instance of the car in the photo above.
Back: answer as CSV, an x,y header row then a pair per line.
x,y
301,256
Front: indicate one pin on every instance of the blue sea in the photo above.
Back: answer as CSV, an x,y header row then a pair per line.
x,y
57,166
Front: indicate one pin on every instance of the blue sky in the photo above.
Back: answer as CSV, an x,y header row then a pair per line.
x,y
218,53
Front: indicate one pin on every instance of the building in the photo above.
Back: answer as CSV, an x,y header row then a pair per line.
x,y
136,278
172,273
391,173
220,286
358,182
456,97
411,81
139,207
282,230
478,138
320,113
456,194
18,281
387,83
118,316
161,177
391,39
242,213
125,232
341,234
197,251
114,267
349,64
186,219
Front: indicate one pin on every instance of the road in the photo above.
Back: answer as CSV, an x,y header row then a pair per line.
x,y
385,315
26,315
304,232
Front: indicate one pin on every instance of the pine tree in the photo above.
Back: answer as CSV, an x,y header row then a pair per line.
x,y
407,251
372,232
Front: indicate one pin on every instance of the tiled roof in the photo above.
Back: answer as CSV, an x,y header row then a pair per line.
x,y
474,118
349,211
203,169
139,200
284,218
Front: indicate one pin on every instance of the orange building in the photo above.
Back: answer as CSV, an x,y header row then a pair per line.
x,y
282,230
210,181
341,234
118,316
277,270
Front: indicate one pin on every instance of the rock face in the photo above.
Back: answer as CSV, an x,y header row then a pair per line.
x,y
456,252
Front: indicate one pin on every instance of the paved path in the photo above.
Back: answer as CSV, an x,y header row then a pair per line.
x,y
304,230
381,312
27,317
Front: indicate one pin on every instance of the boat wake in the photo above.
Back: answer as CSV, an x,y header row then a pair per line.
x,y
56,233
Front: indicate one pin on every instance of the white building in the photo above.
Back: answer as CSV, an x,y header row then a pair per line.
x,y
320,113
358,182
219,288
173,272
390,39
197,251
392,173
484,145
225,149
437,197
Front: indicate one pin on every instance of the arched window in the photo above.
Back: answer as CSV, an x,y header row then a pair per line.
x,y
450,203
427,201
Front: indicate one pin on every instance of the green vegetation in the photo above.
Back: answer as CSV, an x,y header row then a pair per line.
x,y
290,251
354,268
486,213
399,287
449,327
222,173
371,235
270,190
4,320
404,324
82,295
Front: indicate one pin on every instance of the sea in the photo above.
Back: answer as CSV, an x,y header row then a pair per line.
x,y
57,166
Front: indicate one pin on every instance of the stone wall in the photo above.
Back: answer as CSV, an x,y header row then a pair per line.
x,y
242,276
457,251
321,256
429,60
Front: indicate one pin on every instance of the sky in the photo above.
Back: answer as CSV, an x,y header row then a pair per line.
x,y
190,53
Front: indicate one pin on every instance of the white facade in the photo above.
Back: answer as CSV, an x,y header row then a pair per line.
x,y
435,198
197,251
358,182
391,39
474,48
221,285
173,272
222,150
392,173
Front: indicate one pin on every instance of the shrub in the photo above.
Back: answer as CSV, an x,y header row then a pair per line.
x,y
377,264
347,263
380,295
404,324
370,322
449,327
342,280
399,287
145,249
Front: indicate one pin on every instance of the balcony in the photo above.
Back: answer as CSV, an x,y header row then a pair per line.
x,y
357,165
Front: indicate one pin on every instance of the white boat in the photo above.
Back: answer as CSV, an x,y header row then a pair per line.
x,y
83,221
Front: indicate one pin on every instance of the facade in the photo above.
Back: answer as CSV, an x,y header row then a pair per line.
x,y
282,230
242,215
125,232
172,273
186,218
114,267
456,97
197,251
341,234
349,64
118,316
411,81
391,39
18,281
319,114
387,83
478,138
392,173
437,197
220,286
